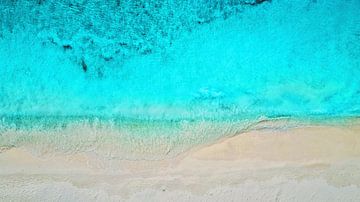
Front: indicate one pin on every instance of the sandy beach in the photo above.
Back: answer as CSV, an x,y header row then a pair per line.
x,y
308,163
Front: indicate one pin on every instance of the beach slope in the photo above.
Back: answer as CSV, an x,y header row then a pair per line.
x,y
308,163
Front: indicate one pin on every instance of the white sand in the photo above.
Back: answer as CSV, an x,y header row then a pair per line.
x,y
315,163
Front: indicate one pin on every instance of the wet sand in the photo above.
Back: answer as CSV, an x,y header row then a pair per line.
x,y
307,163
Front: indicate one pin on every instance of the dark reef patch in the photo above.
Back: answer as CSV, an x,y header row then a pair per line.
x,y
84,65
67,47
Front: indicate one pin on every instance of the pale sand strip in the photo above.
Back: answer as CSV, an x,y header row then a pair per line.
x,y
315,163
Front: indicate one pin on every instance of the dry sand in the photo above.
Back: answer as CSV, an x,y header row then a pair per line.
x,y
314,163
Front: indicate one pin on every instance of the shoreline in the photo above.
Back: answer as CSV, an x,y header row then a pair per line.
x,y
139,139
265,164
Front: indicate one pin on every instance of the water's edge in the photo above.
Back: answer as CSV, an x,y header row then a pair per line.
x,y
133,139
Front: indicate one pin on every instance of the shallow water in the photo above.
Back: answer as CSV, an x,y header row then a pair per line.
x,y
178,61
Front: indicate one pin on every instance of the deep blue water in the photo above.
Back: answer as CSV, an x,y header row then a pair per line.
x,y
180,59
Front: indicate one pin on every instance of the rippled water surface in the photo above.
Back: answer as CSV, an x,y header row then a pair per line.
x,y
180,59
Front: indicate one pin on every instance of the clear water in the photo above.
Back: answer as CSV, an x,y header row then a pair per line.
x,y
179,60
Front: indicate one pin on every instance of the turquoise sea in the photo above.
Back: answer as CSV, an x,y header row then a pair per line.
x,y
162,76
